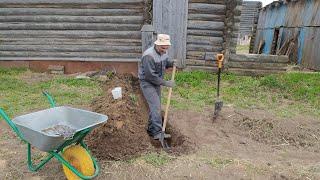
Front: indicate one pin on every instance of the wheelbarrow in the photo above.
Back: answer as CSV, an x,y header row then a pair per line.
x,y
59,131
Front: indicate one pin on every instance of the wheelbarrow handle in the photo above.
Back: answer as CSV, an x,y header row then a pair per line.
x,y
11,124
49,97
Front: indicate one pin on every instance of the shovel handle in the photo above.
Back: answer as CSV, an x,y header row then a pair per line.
x,y
220,58
168,101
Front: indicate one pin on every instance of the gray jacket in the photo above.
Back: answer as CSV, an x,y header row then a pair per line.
x,y
153,65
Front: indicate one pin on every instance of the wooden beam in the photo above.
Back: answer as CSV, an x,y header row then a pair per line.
x,y
70,12
74,19
71,34
4,54
70,26
72,48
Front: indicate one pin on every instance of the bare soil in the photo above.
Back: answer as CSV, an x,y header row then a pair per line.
x,y
124,135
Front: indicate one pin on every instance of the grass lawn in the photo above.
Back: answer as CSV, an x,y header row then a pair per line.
x,y
19,94
285,94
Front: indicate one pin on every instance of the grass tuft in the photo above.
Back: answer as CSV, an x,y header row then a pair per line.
x,y
157,159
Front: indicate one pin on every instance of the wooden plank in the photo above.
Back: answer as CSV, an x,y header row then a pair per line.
x,y
74,19
71,48
67,1
200,55
73,6
210,33
202,8
208,1
71,34
259,58
170,17
206,25
179,24
70,12
157,15
203,40
207,17
205,48
70,26
63,41
103,59
257,65
4,54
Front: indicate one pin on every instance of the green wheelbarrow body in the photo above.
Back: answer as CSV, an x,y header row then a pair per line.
x,y
30,128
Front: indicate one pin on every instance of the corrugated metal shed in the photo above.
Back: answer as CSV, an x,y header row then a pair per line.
x,y
293,26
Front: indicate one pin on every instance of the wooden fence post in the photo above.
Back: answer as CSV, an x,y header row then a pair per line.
x,y
147,36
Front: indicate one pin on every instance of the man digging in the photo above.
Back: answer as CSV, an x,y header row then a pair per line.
x,y
154,62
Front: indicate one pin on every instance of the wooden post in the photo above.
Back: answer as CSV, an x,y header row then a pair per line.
x,y
147,36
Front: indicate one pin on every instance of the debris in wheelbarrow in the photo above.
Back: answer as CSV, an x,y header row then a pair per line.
x,y
72,152
65,131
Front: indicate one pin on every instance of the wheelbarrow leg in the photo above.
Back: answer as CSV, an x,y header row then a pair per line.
x,y
41,164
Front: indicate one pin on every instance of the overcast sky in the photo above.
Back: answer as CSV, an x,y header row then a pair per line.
x,y
264,2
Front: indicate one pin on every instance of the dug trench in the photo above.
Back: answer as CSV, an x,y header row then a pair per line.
x,y
124,135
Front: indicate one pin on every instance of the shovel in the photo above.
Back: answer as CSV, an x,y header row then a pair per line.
x,y
219,103
162,140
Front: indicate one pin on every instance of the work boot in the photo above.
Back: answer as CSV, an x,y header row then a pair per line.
x,y
158,136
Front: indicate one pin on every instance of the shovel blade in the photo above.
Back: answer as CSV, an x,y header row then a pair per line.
x,y
164,143
217,108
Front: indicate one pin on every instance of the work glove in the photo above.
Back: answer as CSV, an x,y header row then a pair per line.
x,y
169,83
175,62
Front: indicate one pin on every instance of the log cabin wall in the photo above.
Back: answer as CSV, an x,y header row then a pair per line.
x,y
205,31
71,30
212,28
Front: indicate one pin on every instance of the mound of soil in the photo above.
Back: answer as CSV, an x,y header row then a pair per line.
x,y
124,135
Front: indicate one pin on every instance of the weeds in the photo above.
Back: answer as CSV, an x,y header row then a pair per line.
x,y
133,98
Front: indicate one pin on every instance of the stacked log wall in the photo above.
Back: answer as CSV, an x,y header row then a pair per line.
x,y
83,30
205,31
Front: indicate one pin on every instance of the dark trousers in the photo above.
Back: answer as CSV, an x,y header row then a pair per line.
x,y
152,93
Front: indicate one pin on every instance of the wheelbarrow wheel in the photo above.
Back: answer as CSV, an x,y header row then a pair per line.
x,y
79,158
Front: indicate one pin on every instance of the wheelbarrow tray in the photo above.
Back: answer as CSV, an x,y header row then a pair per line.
x,y
32,125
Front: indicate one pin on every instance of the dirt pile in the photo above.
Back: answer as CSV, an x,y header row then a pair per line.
x,y
124,135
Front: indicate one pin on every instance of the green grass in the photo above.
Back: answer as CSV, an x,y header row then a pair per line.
x,y
285,94
219,163
18,96
242,49
157,159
